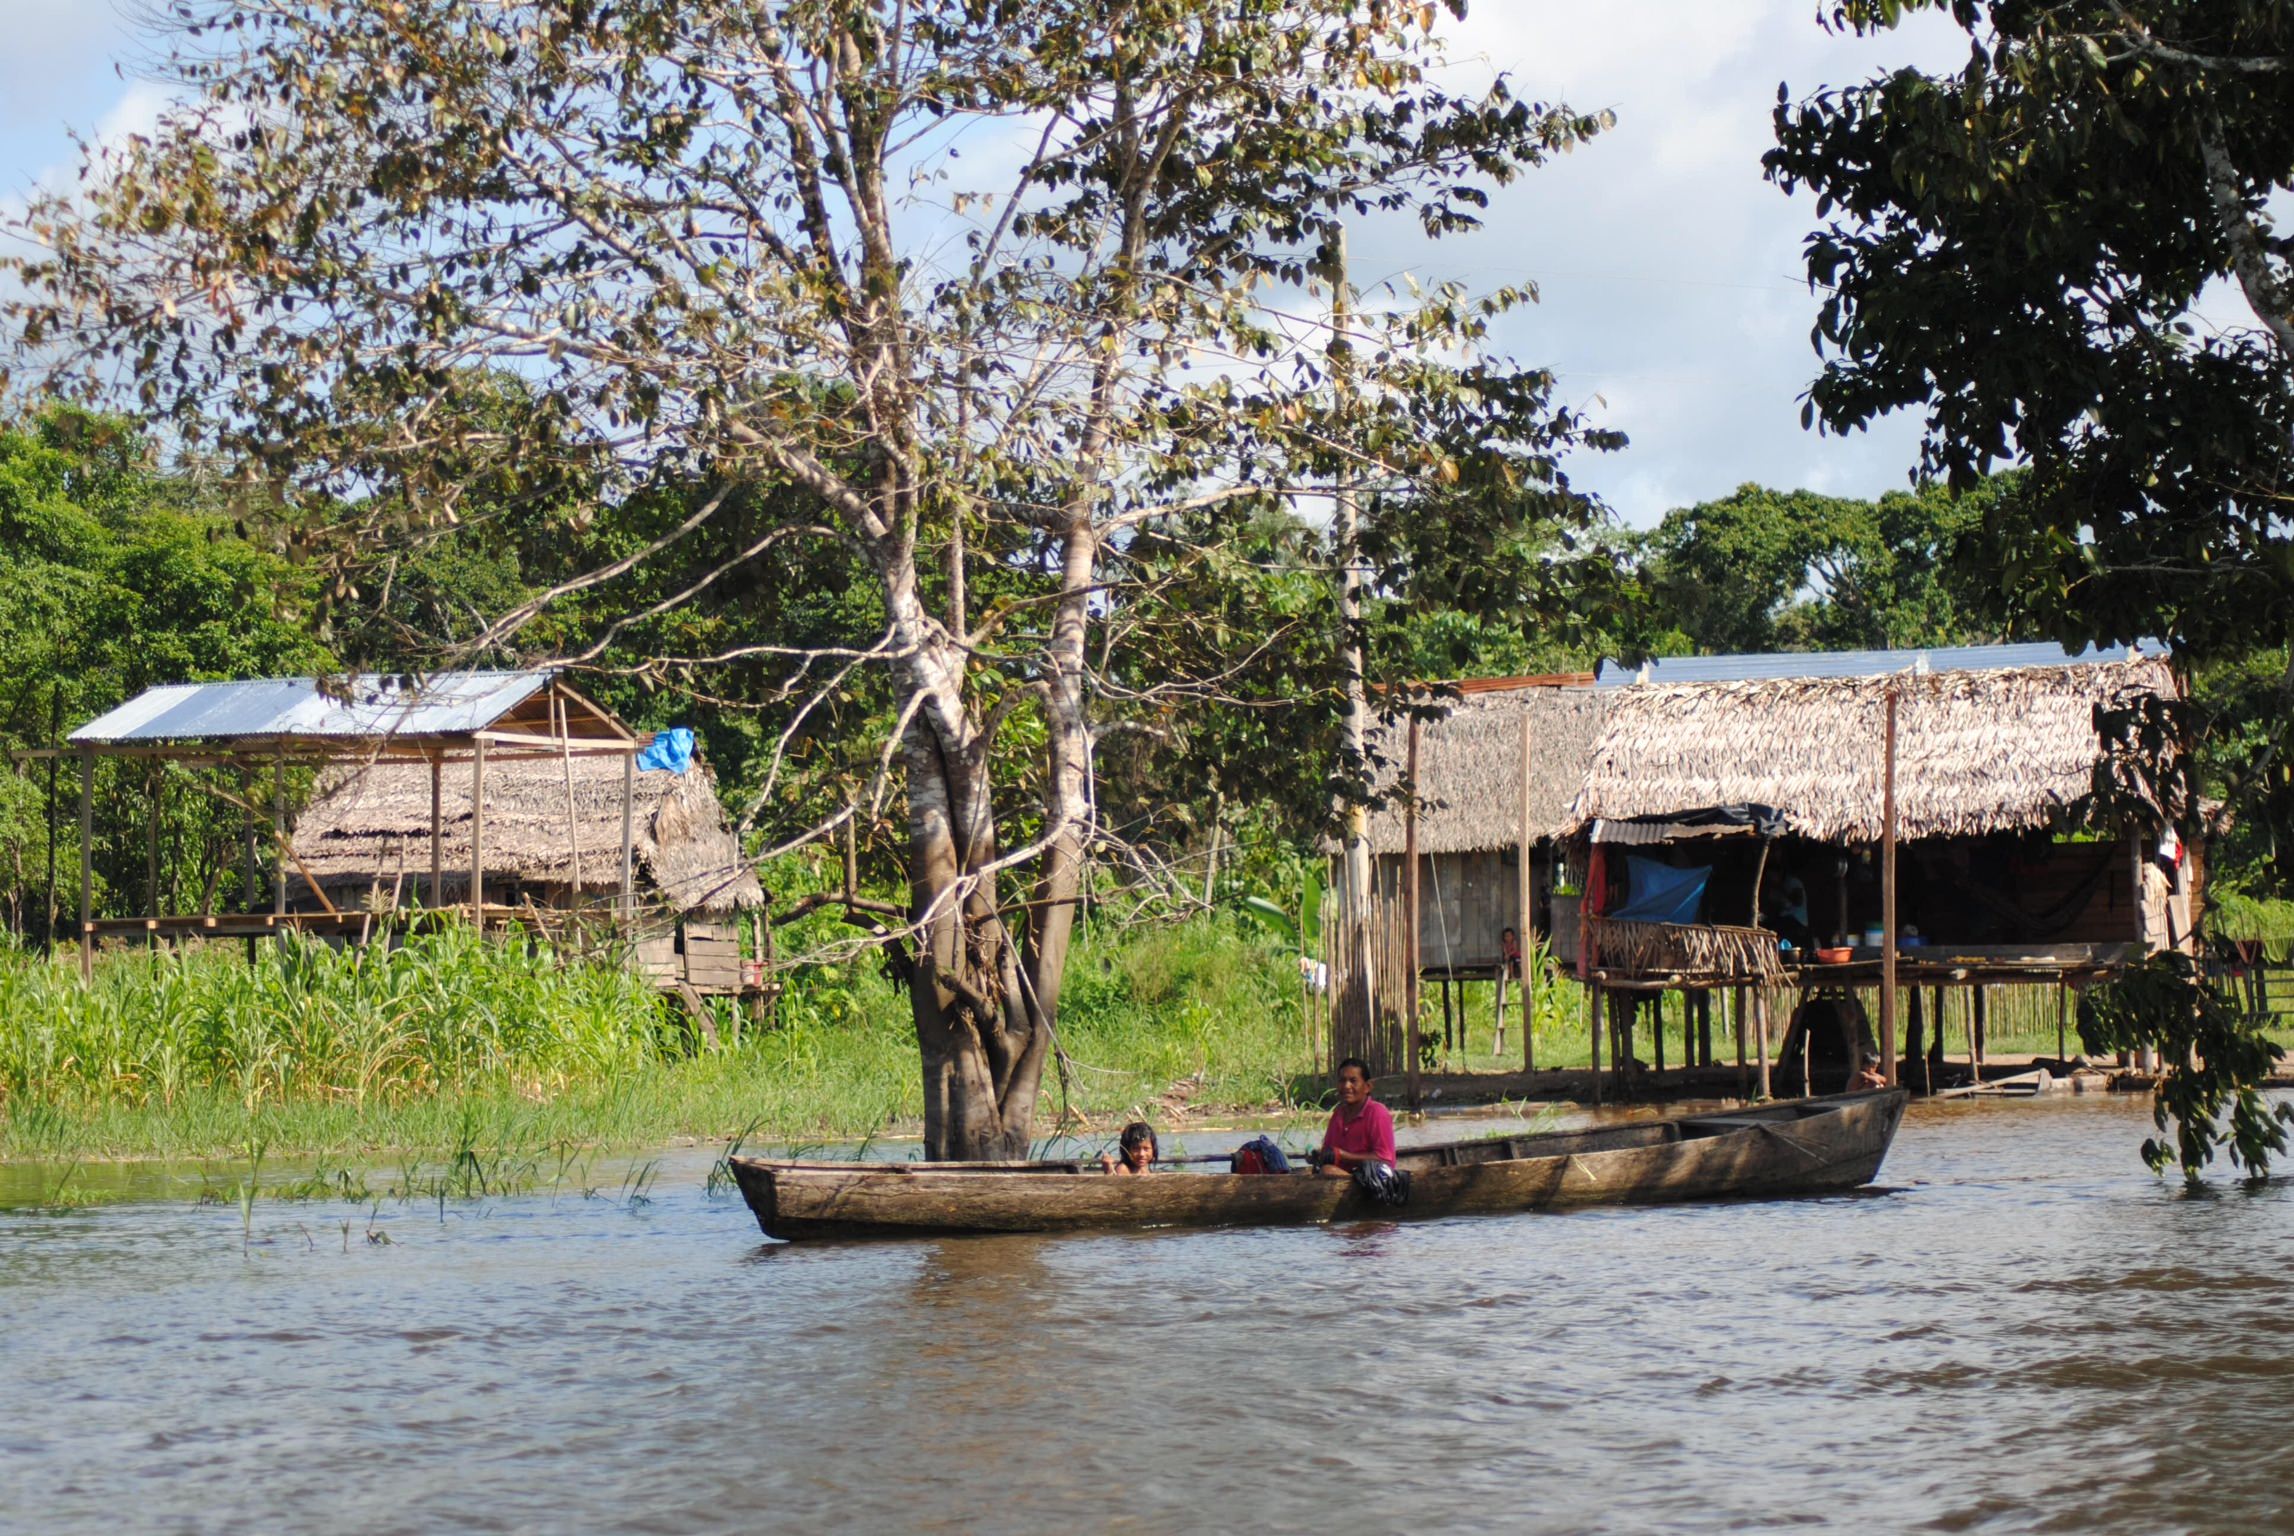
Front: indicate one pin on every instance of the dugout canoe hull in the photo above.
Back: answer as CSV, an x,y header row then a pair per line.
x,y
1798,1147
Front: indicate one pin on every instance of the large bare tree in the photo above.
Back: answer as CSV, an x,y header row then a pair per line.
x,y
995,286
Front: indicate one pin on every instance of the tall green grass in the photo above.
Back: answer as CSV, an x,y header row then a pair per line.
x,y
309,1023
450,1041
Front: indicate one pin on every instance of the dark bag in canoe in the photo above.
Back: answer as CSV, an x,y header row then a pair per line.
x,y
1382,1182
1259,1156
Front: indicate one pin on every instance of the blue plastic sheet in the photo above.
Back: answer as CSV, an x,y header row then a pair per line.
x,y
1659,893
671,750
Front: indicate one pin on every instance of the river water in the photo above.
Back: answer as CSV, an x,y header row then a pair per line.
x,y
2025,1332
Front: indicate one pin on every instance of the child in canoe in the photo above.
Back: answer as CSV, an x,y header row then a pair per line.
x,y
1138,1151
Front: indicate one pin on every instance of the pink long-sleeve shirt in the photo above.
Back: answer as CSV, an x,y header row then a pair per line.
x,y
1369,1134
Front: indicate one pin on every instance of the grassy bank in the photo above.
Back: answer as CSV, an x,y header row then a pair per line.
x,y
450,1041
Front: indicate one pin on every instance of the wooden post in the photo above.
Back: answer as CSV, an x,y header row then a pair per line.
x,y
1525,931
1888,902
55,734
2062,1019
437,831
87,865
573,827
628,831
1760,1026
279,832
155,785
1759,873
247,831
1411,961
1593,998
478,832
1736,1027
1497,995
1978,1025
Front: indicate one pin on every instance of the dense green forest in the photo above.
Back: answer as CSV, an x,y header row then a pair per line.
x,y
121,571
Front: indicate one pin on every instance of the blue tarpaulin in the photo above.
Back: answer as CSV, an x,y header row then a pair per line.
x,y
1659,893
671,750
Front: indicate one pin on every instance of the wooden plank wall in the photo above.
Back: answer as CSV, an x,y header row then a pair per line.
x,y
713,957
1466,901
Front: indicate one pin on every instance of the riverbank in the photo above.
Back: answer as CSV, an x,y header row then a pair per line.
x,y
450,1047
450,1042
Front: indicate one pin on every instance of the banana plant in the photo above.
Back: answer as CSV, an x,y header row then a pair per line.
x,y
1303,928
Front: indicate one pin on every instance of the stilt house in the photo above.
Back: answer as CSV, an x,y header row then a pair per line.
x,y
1732,830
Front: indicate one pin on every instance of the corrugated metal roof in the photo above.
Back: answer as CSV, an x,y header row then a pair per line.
x,y
1943,658
368,706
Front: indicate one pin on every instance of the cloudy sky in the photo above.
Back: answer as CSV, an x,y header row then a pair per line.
x,y
1671,306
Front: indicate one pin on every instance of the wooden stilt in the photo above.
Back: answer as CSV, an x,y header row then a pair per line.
x,y
628,834
1447,1027
87,866
2062,1021
151,849
1497,992
437,833
1915,1037
247,830
1593,1045
1736,1027
1760,1026
1978,997
478,832
1657,1028
279,834
573,825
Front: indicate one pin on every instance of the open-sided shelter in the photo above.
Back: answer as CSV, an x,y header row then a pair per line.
x,y
419,733
1734,825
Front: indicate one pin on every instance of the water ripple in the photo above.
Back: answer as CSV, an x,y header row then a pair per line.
x,y
2027,1334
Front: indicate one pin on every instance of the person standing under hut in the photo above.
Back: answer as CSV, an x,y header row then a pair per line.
x,y
1360,1130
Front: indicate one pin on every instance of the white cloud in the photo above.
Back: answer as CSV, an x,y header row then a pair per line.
x,y
1668,266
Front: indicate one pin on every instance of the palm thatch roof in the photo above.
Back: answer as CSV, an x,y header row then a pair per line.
x,y
1977,751
369,823
1469,767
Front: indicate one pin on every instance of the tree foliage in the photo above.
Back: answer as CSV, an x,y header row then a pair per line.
x,y
1767,570
2217,1056
2033,251
115,577
2020,250
973,297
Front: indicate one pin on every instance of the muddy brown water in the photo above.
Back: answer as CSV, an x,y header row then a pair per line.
x,y
2026,1333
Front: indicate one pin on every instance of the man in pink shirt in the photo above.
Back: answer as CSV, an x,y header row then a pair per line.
x,y
1360,1130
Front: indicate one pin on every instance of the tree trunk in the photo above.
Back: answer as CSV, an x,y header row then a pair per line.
x,y
982,1009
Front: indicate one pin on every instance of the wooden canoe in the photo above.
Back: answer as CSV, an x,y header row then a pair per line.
x,y
1800,1146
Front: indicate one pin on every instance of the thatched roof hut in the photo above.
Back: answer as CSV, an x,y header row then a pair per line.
x,y
1469,765
1978,752
368,829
